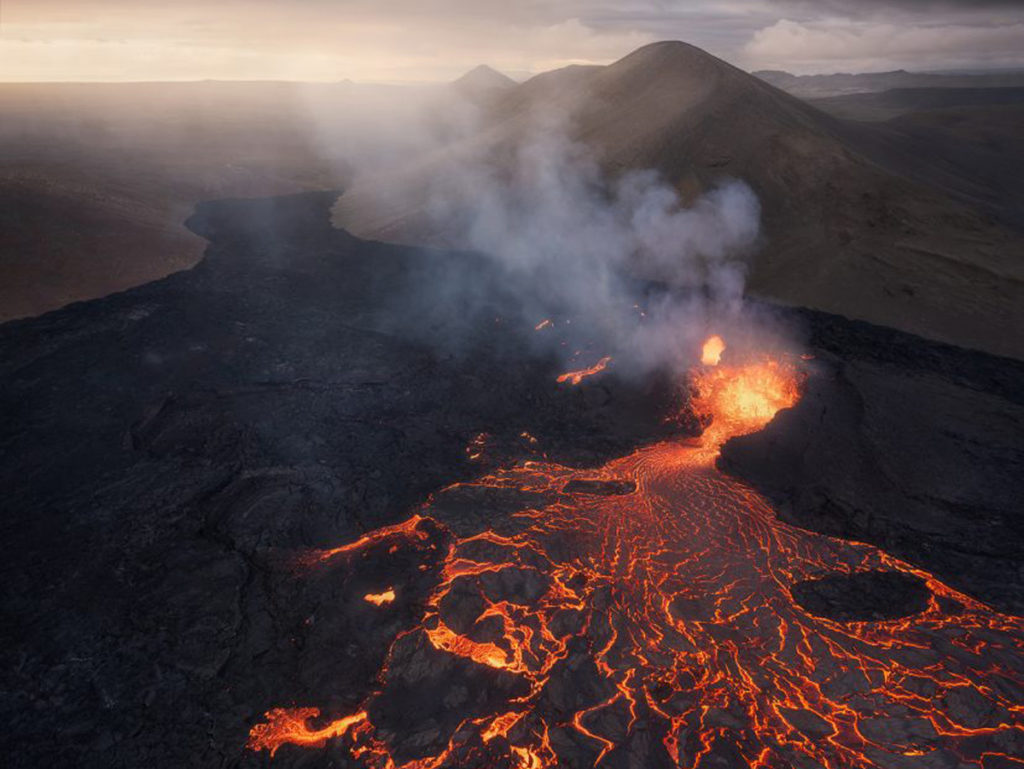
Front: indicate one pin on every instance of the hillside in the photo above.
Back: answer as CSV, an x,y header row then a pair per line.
x,y
97,179
821,86
842,231
885,105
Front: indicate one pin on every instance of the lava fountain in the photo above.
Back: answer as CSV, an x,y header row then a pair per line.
x,y
711,352
741,399
653,625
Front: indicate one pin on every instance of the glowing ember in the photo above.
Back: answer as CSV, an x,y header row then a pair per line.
x,y
477,446
379,599
660,630
712,351
575,377
542,325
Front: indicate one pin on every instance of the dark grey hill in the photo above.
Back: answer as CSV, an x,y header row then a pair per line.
x,y
858,221
819,86
885,105
167,451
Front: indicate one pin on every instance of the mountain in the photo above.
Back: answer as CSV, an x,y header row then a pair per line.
x,y
820,86
847,228
883,105
482,82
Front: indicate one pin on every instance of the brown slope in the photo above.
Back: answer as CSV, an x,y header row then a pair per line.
x,y
843,233
97,179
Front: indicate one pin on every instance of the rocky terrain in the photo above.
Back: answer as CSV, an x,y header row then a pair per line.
x,y
165,446
917,448
170,451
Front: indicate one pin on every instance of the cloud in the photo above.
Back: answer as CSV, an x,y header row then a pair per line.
x,y
404,40
314,40
877,45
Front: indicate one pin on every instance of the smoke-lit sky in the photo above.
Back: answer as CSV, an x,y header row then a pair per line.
x,y
424,40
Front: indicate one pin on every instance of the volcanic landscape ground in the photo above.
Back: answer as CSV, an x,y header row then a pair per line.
x,y
260,515
659,628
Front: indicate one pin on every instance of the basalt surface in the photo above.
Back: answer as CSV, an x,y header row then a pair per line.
x,y
913,446
172,454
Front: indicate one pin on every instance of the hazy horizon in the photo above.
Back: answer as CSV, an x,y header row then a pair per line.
x,y
438,40
519,77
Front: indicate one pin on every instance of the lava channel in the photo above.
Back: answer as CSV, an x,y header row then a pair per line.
x,y
657,628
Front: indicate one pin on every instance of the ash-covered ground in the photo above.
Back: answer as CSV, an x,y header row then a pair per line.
x,y
169,451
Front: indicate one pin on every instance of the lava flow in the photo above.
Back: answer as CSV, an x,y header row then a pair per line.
x,y
653,625
575,377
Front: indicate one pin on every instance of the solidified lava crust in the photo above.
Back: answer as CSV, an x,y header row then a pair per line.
x,y
658,629
863,596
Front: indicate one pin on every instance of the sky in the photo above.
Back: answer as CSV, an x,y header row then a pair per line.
x,y
437,40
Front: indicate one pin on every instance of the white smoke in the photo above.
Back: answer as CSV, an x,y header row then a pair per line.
x,y
575,243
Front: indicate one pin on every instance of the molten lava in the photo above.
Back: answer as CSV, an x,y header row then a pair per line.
x,y
379,599
656,628
743,399
575,377
711,352
292,726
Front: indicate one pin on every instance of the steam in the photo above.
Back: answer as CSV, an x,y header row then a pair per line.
x,y
576,244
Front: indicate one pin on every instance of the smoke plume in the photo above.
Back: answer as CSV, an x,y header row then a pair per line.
x,y
581,248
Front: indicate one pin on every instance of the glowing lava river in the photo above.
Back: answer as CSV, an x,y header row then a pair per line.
x,y
642,615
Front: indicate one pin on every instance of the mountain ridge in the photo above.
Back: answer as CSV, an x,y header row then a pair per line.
x,y
846,230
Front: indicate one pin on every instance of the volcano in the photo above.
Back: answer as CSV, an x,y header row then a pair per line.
x,y
350,494
854,224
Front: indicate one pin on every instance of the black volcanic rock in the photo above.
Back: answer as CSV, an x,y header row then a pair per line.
x,y
913,446
863,596
165,449
168,452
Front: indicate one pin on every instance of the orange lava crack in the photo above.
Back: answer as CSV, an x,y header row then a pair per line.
x,y
680,594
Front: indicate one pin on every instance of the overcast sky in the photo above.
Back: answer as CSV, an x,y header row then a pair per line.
x,y
424,40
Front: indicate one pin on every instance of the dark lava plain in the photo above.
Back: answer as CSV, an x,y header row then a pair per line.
x,y
168,451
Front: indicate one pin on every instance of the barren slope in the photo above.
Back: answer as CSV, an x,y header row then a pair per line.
x,y
842,232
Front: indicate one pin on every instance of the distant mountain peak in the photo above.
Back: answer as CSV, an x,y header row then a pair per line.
x,y
483,78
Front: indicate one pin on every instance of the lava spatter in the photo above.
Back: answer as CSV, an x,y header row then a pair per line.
x,y
658,626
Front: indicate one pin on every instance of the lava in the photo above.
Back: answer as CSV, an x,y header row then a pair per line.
x,y
711,352
575,377
292,726
743,399
379,599
656,627
408,529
